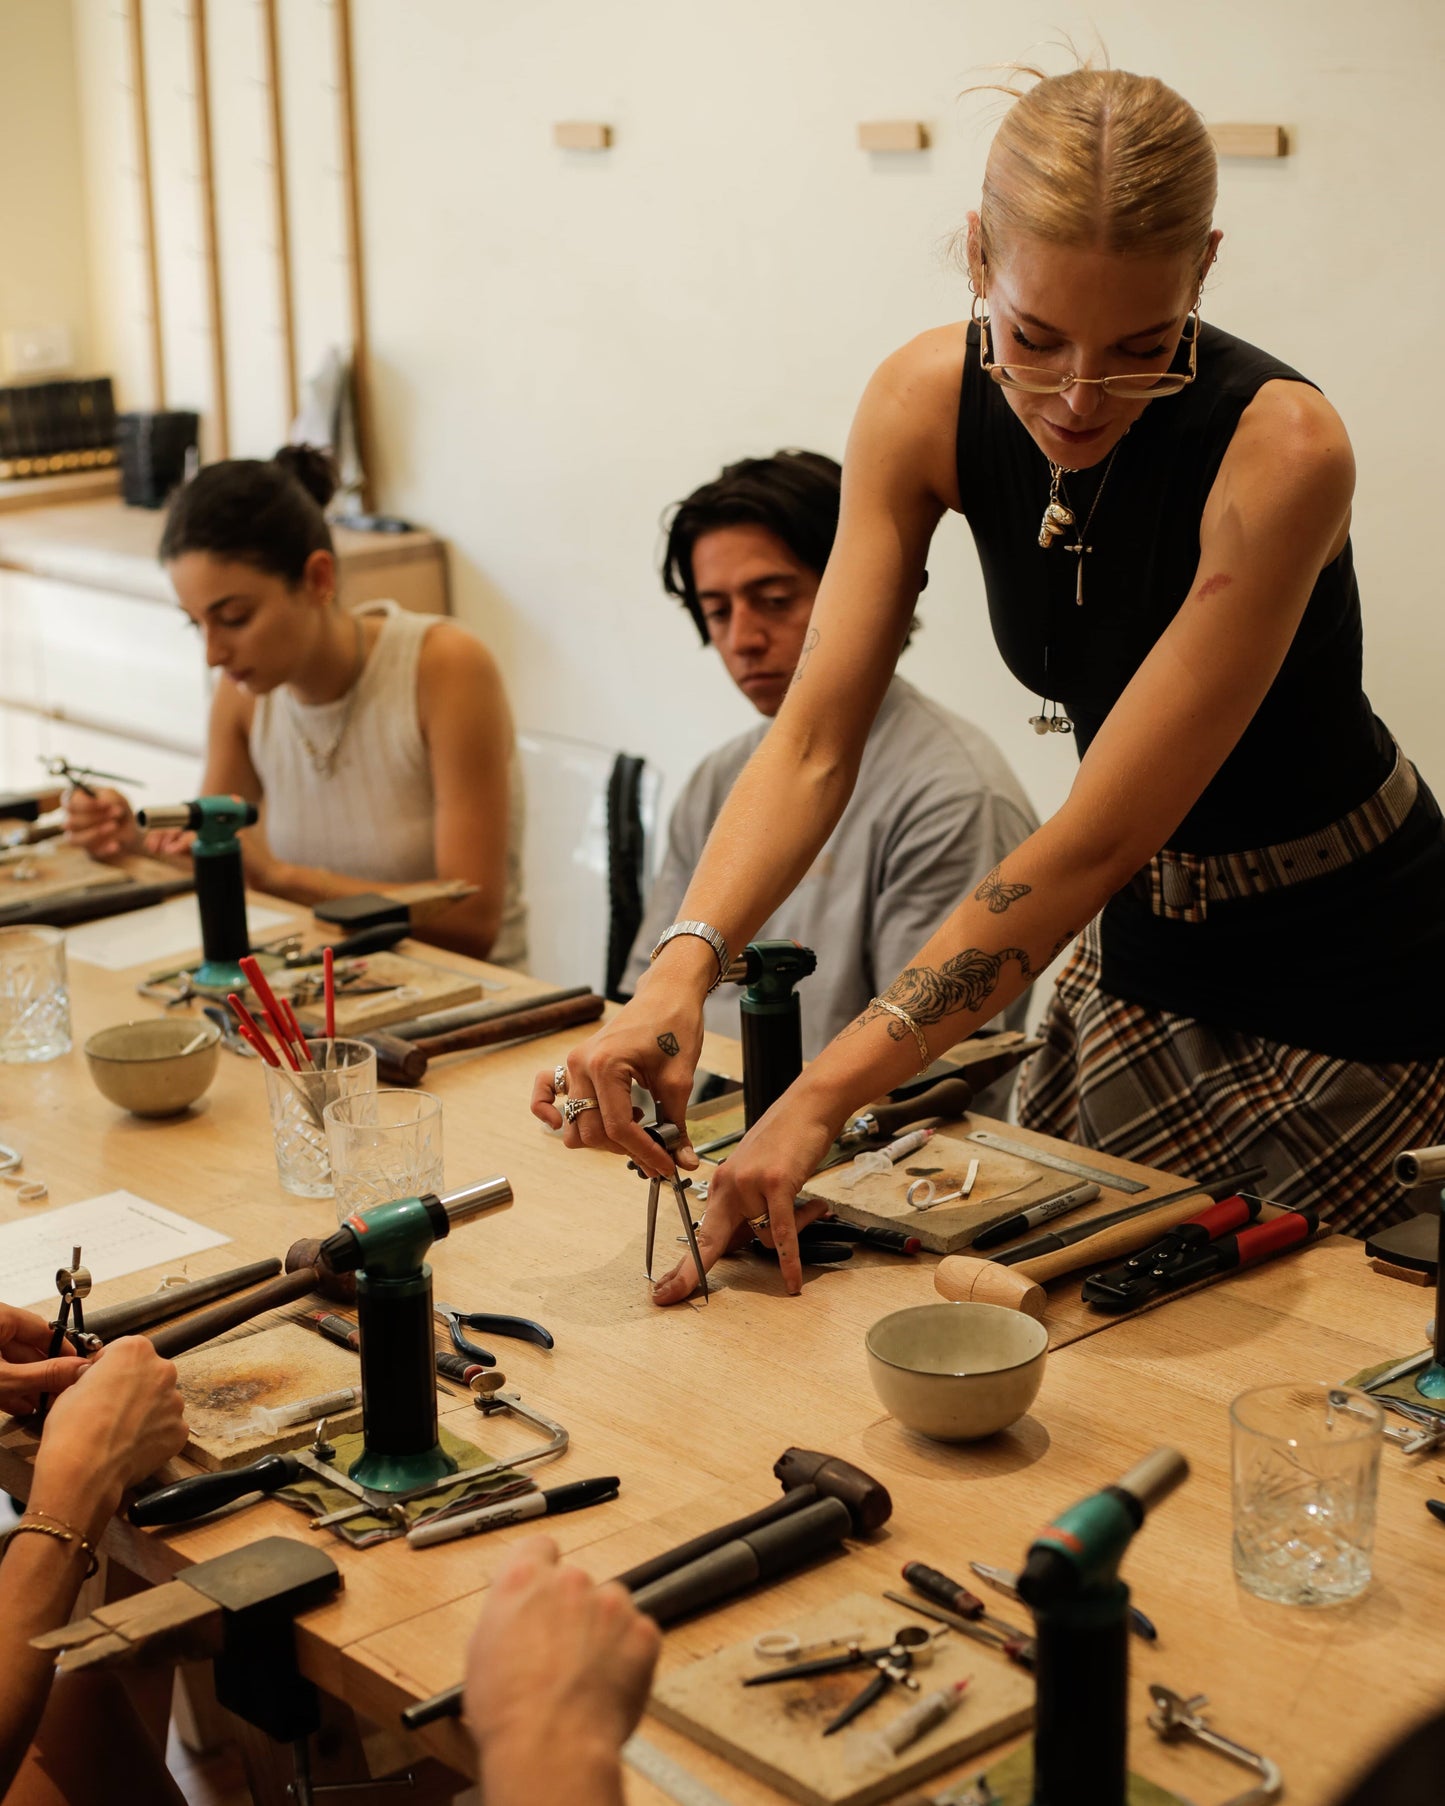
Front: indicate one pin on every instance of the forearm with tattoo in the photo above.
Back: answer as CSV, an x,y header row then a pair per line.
x,y
927,994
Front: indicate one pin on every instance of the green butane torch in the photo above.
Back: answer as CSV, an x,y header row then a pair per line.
x,y
1071,1580
220,882
772,1022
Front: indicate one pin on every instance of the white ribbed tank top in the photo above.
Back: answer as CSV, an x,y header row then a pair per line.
x,y
373,817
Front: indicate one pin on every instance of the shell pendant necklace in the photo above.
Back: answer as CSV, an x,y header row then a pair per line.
x,y
1058,517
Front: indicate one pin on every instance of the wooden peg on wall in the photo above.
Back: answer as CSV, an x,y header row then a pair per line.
x,y
581,134
893,135
1250,140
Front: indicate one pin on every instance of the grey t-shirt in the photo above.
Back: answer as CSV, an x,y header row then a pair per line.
x,y
936,806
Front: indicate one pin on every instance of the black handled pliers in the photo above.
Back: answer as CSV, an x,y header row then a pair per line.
x,y
522,1329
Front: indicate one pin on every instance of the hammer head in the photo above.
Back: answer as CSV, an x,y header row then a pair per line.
x,y
341,1287
867,1499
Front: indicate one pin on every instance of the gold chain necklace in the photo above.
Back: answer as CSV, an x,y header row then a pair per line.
x,y
1058,516
323,759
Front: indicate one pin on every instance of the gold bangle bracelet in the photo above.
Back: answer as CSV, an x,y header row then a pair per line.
x,y
893,1010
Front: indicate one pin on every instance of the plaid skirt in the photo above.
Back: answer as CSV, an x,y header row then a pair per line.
x,y
1197,1100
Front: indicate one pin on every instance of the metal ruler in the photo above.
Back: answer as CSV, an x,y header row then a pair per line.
x,y
667,1776
986,1138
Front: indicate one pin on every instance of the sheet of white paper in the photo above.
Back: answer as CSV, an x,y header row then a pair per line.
x,y
144,937
117,1233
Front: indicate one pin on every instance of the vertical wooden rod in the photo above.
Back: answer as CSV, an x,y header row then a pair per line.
x,y
141,116
351,210
271,44
209,252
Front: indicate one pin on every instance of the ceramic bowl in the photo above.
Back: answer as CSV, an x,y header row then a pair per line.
x,y
141,1065
957,1371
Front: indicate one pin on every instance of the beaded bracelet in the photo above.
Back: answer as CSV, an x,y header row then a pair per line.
x,y
53,1526
893,1009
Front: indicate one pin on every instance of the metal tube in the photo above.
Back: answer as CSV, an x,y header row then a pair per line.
x,y
162,1307
1421,1166
166,815
471,1200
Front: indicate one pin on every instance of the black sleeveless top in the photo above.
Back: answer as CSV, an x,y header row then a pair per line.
x,y
1352,964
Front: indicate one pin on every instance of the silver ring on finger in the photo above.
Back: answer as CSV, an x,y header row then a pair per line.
x,y
559,1079
572,1107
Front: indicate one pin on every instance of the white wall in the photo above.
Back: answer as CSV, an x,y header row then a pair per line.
x,y
42,237
564,342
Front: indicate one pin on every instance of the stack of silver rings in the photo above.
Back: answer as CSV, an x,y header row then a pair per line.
x,y
571,1107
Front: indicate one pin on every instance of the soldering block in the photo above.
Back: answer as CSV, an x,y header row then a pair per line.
x,y
369,910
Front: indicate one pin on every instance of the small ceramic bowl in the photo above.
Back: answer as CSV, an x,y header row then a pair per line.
x,y
142,1066
957,1371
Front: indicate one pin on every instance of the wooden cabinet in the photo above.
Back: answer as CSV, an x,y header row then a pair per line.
x,y
96,659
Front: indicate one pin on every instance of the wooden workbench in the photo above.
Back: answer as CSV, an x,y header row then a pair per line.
x,y
692,1406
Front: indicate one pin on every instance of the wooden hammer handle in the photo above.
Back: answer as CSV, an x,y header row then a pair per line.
x,y
1108,1244
405,1062
544,1020
175,1338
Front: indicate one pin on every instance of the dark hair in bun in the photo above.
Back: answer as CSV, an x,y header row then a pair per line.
x,y
266,513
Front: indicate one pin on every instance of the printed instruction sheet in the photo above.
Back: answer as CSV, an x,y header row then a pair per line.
x,y
168,930
117,1233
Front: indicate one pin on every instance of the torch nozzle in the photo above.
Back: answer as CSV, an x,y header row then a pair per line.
x,y
1155,1477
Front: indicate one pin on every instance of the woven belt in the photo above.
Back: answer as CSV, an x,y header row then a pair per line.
x,y
1181,886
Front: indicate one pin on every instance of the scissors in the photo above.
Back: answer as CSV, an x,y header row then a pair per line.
x,y
522,1329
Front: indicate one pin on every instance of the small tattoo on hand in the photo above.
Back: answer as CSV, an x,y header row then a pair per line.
x,y
669,1044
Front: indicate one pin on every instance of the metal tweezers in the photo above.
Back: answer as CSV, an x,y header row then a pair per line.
x,y
667,1136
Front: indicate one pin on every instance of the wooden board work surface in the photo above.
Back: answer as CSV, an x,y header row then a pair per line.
x,y
224,1382
1004,1184
692,1406
421,985
776,1732
51,869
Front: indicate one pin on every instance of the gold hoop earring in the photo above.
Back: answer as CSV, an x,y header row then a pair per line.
x,y
975,312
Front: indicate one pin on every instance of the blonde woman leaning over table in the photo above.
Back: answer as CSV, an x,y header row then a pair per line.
x,y
1259,870
377,743
112,1421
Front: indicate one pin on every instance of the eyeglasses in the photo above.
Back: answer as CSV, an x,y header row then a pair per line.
x,y
1034,379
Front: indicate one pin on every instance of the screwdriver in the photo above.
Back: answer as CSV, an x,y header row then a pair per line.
x,y
1018,1649
944,1591
1007,1583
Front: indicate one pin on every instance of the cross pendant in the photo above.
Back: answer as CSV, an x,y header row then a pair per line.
x,y
1080,549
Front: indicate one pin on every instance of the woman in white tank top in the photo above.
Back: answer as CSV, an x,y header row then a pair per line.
x,y
378,744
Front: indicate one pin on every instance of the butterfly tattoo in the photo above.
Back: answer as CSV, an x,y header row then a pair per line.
x,y
997,894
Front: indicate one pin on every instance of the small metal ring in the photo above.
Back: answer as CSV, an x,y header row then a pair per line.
x,y
760,1222
559,1079
573,1107
781,1645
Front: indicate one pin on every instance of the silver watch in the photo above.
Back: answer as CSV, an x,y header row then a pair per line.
x,y
703,933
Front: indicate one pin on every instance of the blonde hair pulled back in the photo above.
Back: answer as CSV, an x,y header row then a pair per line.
x,y
1099,159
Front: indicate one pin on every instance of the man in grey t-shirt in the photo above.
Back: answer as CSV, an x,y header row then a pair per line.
x,y
936,805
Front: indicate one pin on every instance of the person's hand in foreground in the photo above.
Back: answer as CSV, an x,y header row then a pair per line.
x,y
757,1186
654,1042
558,1672
121,1417
25,1369
103,823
